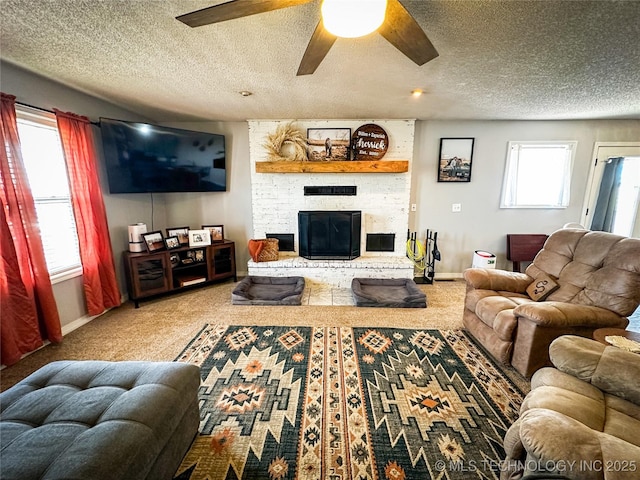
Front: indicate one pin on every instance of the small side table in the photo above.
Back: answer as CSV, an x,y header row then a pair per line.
x,y
522,247
600,333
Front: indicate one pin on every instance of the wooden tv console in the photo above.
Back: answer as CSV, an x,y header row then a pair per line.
x,y
156,273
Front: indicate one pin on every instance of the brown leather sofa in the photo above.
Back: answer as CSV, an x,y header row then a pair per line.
x,y
581,419
597,276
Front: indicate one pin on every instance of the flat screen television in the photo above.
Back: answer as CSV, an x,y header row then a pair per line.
x,y
143,158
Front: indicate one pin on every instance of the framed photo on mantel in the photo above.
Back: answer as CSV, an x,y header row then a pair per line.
x,y
328,144
454,161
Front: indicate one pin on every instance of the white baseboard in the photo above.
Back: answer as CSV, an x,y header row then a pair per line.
x,y
448,276
70,327
79,322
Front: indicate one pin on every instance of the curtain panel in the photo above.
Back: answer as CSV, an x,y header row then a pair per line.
x,y
29,313
98,268
604,212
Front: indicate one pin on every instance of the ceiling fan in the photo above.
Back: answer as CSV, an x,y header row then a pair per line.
x,y
398,27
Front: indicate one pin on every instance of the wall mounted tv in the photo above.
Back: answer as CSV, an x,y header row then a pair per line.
x,y
143,158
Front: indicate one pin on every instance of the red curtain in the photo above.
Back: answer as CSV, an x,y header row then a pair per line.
x,y
99,277
29,312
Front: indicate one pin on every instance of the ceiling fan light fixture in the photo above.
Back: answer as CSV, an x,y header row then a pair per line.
x,y
353,18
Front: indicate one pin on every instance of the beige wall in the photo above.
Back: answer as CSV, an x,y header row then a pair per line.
x,y
480,225
231,208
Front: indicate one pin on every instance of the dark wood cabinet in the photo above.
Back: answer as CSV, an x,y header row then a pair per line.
x,y
149,275
156,273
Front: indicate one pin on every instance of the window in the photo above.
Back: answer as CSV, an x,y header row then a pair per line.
x,y
538,175
46,169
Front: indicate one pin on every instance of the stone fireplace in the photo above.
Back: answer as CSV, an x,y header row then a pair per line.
x,y
382,198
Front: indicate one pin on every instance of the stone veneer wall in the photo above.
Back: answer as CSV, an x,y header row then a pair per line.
x,y
383,198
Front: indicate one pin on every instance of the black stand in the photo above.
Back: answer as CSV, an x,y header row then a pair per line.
x,y
433,255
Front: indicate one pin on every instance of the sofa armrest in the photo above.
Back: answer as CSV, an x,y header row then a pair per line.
x,y
574,449
499,280
610,369
561,314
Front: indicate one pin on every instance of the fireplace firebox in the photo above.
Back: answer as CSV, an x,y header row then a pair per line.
x,y
329,235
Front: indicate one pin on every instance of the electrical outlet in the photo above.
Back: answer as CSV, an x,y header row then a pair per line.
x,y
456,207
413,207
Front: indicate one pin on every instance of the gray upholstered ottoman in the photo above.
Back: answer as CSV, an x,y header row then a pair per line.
x,y
99,420
387,292
255,290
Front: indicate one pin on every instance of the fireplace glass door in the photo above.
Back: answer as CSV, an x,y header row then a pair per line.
x,y
329,235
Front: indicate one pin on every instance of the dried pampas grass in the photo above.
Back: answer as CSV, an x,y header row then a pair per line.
x,y
287,143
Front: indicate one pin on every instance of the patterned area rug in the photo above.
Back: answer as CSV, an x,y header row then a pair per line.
x,y
346,403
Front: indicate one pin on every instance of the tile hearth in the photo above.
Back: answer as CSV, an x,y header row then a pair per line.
x,y
334,274
327,295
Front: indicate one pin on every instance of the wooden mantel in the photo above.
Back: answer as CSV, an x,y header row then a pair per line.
x,y
376,166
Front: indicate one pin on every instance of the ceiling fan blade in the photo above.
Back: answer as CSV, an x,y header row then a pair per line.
x,y
319,45
404,33
235,9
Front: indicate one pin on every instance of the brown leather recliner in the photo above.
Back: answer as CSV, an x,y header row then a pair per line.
x,y
598,285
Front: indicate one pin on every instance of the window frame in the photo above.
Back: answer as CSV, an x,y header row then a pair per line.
x,y
44,119
570,145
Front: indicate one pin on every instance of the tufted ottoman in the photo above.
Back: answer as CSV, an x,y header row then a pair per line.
x,y
99,420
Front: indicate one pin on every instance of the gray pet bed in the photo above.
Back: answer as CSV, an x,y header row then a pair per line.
x,y
387,292
268,291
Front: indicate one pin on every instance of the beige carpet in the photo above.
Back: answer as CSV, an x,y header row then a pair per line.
x,y
162,327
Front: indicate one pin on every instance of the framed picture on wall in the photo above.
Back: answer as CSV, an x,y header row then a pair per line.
x,y
328,144
454,161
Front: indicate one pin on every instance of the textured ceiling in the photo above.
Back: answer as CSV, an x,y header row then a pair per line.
x,y
499,59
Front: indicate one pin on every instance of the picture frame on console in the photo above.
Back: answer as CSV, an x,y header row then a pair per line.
x,y
329,144
154,241
199,238
171,243
216,232
181,232
454,160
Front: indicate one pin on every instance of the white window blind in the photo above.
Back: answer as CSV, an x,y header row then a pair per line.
x,y
538,175
45,165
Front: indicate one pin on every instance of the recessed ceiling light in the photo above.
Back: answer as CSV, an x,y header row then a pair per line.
x,y
246,93
417,92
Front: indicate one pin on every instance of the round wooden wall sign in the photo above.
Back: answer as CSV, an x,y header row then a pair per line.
x,y
369,142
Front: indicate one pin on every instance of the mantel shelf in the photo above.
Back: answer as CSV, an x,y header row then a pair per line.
x,y
375,166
